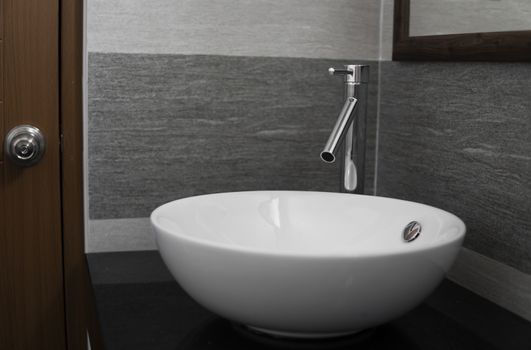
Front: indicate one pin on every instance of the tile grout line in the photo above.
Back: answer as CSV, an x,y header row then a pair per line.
x,y
378,100
377,138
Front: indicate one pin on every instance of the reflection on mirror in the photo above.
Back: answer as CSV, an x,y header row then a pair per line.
x,y
436,17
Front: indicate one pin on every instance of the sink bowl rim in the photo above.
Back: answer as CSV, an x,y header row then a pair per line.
x,y
340,254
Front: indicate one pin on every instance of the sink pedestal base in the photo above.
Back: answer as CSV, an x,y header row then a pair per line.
x,y
296,335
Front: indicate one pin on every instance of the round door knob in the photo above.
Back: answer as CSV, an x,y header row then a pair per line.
x,y
24,145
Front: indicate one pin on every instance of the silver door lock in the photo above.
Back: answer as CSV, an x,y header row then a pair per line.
x,y
25,145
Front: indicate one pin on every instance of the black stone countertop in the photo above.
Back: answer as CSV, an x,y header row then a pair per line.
x,y
140,306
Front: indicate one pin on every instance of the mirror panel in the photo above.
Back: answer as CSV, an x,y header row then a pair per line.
x,y
436,17
440,32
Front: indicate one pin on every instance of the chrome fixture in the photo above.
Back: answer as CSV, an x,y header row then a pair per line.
x,y
24,145
350,128
411,231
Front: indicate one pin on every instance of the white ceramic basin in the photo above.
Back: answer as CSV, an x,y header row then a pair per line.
x,y
305,264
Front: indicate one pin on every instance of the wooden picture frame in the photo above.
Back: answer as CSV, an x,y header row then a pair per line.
x,y
510,46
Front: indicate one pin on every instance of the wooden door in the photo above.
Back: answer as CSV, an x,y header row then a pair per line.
x,y
32,309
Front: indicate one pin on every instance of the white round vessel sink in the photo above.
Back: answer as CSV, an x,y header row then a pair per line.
x,y
306,264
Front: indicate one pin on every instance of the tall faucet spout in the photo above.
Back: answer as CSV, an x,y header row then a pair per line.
x,y
350,129
344,121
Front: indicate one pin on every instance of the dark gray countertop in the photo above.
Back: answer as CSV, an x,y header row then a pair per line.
x,y
140,306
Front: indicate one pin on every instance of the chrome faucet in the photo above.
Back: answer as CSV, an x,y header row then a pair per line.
x,y
350,128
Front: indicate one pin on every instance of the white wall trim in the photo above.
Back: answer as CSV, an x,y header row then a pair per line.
x,y
497,282
114,235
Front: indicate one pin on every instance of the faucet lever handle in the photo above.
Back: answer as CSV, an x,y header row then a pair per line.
x,y
334,71
352,73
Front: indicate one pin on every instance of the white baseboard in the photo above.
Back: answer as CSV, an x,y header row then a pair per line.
x,y
497,282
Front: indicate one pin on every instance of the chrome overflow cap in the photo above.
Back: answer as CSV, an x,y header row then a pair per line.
x,y
412,231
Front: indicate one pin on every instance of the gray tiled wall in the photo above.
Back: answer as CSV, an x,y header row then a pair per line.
x,y
163,127
458,136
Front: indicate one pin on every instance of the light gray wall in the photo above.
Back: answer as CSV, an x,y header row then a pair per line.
x,y
386,30
336,29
